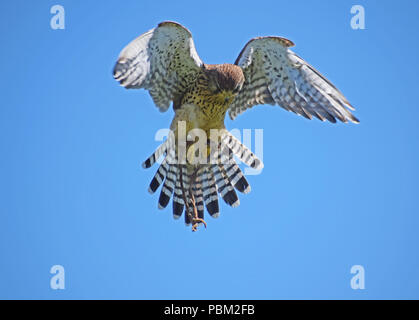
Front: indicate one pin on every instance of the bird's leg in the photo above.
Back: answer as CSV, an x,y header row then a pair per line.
x,y
192,217
195,219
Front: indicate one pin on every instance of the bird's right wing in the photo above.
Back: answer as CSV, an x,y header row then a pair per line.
x,y
163,61
275,75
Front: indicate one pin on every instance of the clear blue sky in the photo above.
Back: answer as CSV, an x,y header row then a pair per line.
x,y
73,192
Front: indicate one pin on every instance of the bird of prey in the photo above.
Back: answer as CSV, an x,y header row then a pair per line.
x,y
164,61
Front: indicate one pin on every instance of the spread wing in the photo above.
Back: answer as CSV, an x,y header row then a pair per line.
x,y
163,61
275,75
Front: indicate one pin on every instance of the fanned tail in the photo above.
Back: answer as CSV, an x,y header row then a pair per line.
x,y
196,187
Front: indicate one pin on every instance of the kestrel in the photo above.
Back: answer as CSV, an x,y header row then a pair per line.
x,y
164,61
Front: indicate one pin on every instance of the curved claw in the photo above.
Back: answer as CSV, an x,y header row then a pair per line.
x,y
196,222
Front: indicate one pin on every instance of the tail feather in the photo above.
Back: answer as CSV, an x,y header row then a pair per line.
x,y
209,189
184,187
168,187
188,215
225,189
198,195
178,203
166,145
159,176
242,152
169,183
231,170
236,177
223,178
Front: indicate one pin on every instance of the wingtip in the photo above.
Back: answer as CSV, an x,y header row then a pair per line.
x,y
355,120
350,106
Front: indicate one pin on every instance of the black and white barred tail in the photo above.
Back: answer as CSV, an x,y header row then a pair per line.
x,y
205,181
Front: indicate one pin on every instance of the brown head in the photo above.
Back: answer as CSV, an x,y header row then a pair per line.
x,y
226,78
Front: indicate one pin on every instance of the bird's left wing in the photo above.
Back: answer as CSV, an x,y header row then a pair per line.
x,y
163,61
276,75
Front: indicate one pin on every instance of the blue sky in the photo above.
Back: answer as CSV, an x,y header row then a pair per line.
x,y
73,192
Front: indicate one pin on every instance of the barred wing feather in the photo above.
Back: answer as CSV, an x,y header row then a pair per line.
x,y
163,60
276,75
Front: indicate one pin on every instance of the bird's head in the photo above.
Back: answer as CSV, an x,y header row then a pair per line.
x,y
224,80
